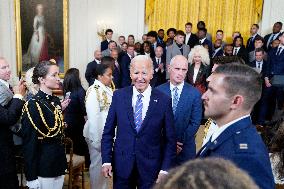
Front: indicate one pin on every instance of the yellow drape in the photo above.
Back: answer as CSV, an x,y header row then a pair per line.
x,y
228,15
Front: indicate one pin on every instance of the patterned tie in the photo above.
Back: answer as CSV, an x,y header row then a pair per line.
x,y
175,100
138,112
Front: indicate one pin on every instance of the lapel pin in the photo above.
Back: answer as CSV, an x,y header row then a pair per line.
x,y
155,100
215,142
238,132
243,146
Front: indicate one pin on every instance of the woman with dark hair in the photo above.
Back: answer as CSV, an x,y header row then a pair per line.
x,y
75,113
239,48
42,131
98,100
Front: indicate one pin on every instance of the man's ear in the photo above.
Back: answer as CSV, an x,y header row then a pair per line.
x,y
237,102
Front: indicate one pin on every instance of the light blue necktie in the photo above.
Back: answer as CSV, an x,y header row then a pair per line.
x,y
138,112
175,99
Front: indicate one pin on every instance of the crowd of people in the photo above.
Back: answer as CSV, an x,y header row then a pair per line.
x,y
137,121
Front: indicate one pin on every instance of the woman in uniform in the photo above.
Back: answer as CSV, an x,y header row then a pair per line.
x,y
98,100
42,129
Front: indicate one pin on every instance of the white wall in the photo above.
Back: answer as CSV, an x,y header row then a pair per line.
x,y
272,12
123,16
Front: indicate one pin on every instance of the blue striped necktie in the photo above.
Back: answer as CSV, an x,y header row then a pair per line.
x,y
175,99
138,112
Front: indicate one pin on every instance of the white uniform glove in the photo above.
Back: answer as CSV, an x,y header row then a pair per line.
x,y
34,184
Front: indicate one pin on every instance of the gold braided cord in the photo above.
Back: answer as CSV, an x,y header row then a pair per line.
x,y
206,128
228,15
58,123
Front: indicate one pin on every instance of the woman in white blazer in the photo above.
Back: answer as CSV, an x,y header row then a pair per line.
x,y
98,100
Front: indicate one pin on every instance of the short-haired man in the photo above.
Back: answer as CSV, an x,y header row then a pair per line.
x,y
190,38
160,39
116,71
125,65
201,34
253,34
220,35
218,51
141,121
108,35
111,45
187,108
90,73
258,43
276,31
131,39
152,39
177,48
171,33
10,112
159,64
273,93
233,90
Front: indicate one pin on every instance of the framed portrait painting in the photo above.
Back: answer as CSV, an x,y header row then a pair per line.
x,y
41,33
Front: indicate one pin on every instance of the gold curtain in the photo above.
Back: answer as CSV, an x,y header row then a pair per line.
x,y
228,15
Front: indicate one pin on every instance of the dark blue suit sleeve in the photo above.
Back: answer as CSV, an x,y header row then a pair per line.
x,y
9,116
196,116
109,132
89,74
169,139
125,72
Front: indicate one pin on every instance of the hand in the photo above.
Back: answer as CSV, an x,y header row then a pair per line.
x,y
267,82
34,184
161,177
106,171
179,148
65,103
20,88
161,66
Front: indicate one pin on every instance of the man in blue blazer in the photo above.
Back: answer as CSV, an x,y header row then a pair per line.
x,y
187,110
125,65
232,92
141,121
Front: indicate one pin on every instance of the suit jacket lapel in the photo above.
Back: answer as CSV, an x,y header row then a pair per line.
x,y
128,103
225,135
152,106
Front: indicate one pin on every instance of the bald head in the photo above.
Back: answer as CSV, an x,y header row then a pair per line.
x,y
98,54
5,72
178,69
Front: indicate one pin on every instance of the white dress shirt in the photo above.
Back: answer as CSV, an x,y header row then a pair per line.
x,y
180,87
236,50
201,41
145,99
215,131
187,36
258,65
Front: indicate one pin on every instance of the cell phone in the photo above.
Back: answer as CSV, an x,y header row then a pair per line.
x,y
67,95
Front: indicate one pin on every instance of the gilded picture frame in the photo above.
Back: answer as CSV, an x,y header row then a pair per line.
x,y
41,33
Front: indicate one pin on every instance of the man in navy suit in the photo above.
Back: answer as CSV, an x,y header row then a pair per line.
x,y
253,32
232,92
272,93
187,108
116,71
260,65
90,73
125,65
218,51
141,121
204,41
276,31
108,35
190,38
159,65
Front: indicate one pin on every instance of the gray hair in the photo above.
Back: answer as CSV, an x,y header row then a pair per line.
x,y
143,58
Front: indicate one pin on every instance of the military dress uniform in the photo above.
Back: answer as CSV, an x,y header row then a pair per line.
x,y
42,131
98,100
